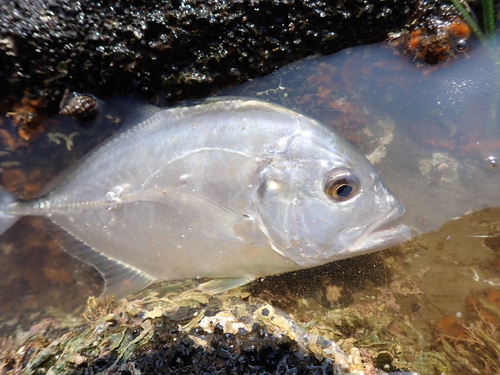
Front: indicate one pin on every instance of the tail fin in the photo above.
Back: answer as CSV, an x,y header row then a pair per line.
x,y
6,220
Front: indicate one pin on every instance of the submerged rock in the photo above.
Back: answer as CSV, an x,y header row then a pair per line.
x,y
183,332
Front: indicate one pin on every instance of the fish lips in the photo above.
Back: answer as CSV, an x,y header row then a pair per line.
x,y
381,234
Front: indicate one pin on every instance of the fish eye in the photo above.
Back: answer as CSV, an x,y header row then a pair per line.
x,y
341,185
462,45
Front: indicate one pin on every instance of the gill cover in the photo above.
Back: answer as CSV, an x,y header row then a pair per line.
x,y
298,206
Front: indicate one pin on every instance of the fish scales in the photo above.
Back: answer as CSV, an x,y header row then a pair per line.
x,y
231,190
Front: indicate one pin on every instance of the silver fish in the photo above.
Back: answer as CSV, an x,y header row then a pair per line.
x,y
232,190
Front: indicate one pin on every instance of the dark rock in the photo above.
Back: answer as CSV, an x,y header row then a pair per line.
x,y
171,50
250,354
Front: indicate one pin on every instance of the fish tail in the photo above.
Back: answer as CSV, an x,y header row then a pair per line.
x,y
6,219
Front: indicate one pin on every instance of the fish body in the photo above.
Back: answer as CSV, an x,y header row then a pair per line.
x,y
231,190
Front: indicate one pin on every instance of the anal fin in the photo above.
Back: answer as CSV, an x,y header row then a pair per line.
x,y
221,285
120,279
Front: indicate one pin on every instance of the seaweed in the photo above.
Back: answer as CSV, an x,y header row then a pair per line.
x,y
488,39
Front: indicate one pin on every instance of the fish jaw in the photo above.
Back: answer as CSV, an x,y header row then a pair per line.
x,y
381,234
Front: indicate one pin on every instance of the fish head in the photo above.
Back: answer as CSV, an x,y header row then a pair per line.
x,y
321,200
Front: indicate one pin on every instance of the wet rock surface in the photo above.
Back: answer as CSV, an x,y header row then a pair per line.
x,y
241,353
181,333
169,50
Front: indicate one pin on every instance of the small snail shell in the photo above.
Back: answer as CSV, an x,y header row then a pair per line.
x,y
79,106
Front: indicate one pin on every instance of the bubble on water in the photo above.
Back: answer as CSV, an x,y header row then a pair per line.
x,y
492,161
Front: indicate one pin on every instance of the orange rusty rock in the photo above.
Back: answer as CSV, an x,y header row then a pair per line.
x,y
494,296
324,92
433,42
450,326
30,135
415,38
460,29
27,116
326,73
473,304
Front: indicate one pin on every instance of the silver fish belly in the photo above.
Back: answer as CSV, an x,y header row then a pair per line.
x,y
231,190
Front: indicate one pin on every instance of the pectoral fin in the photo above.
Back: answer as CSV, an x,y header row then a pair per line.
x,y
221,285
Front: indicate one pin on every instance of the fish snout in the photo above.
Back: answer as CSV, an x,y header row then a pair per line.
x,y
384,232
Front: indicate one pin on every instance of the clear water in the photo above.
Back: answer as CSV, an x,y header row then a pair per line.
x,y
434,135
434,128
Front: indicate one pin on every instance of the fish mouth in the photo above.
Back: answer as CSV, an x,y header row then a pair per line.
x,y
382,234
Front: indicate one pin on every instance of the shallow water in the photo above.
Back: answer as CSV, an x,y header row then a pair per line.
x,y
433,135
429,130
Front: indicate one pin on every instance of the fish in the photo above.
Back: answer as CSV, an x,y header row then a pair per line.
x,y
226,190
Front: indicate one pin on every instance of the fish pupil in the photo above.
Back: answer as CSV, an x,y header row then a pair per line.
x,y
344,191
341,185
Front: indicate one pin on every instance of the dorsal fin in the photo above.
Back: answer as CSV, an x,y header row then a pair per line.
x,y
130,112
134,112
